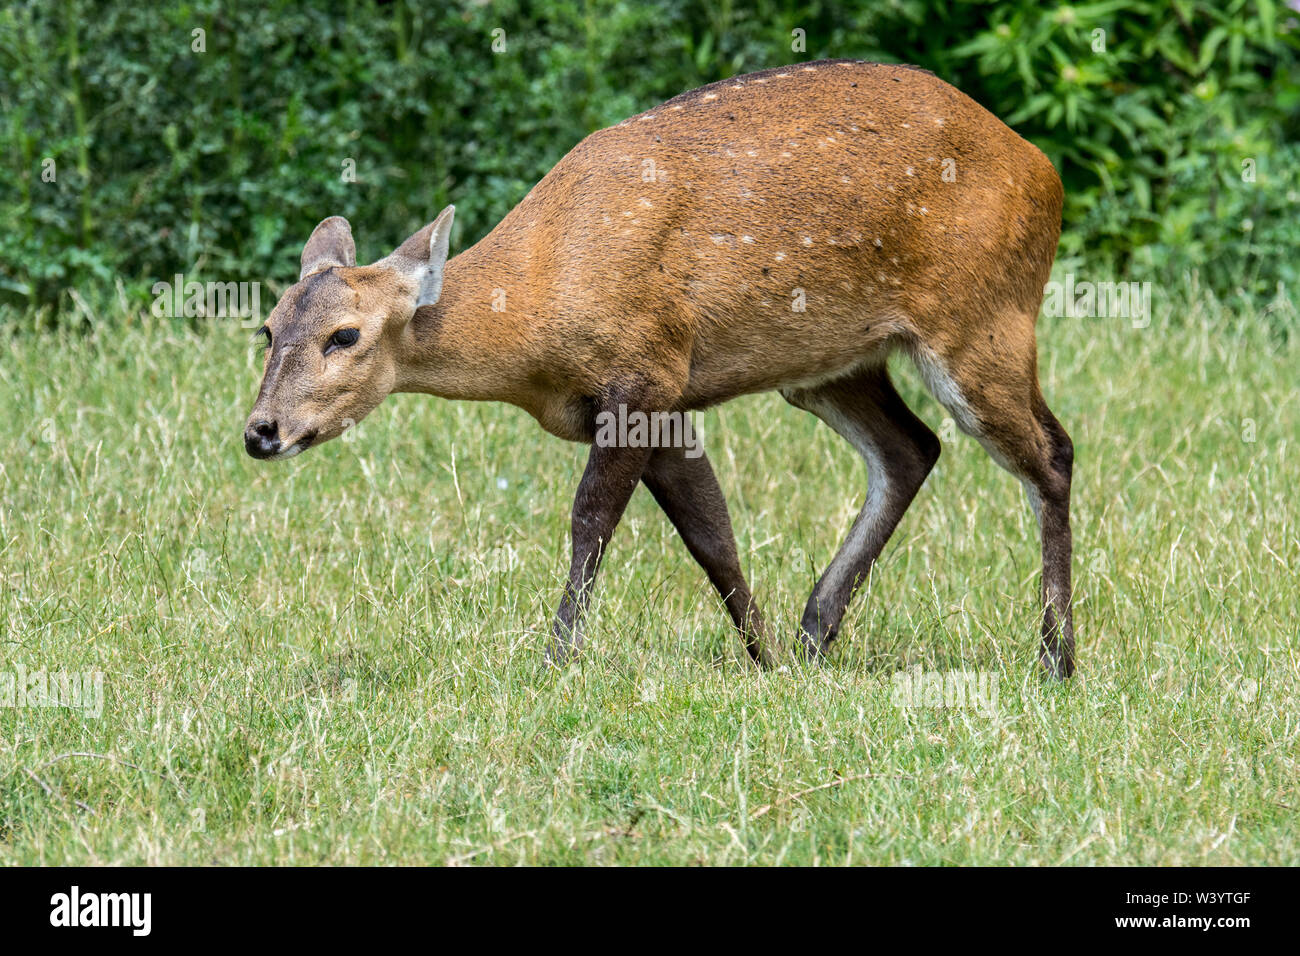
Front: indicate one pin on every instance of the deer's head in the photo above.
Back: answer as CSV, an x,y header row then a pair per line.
x,y
334,338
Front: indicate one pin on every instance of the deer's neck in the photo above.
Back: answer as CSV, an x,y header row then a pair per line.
x,y
473,342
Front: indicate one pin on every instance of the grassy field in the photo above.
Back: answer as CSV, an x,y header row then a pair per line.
x,y
338,659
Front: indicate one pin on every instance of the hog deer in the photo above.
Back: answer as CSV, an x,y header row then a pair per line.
x,y
656,268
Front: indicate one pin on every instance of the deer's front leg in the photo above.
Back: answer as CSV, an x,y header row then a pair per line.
x,y
607,484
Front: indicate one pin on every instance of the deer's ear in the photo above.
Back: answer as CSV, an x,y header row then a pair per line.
x,y
421,258
330,245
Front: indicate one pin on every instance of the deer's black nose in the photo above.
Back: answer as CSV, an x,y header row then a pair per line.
x,y
262,439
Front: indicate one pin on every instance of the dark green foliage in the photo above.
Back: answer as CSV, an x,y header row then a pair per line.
x,y
218,163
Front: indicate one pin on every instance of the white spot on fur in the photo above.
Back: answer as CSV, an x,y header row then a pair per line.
x,y
780,256
710,96
746,238
807,240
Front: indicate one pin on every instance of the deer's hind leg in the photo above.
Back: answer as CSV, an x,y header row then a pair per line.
x,y
866,410
991,388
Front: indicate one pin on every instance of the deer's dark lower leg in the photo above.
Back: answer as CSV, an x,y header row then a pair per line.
x,y
1053,490
899,451
607,484
688,492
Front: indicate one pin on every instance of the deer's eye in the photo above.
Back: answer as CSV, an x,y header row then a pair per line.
x,y
342,339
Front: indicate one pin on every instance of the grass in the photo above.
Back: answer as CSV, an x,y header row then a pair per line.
x,y
337,659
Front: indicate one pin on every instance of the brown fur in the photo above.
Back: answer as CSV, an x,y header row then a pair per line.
x,y
659,260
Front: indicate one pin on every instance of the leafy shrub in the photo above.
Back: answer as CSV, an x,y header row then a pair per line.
x,y
218,163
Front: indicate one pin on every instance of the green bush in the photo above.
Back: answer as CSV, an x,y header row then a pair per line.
x,y
1168,126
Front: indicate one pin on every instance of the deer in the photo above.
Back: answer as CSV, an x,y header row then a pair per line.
x,y
656,269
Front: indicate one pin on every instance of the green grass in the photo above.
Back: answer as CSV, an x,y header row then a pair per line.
x,y
338,659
